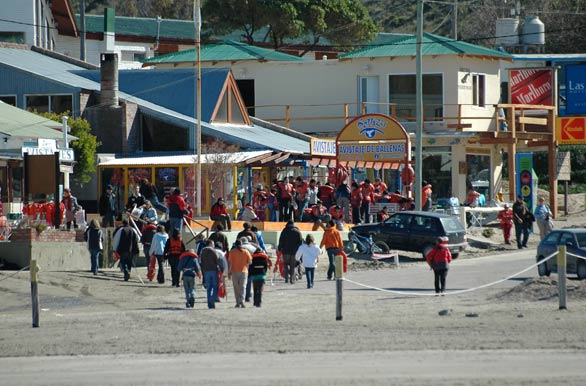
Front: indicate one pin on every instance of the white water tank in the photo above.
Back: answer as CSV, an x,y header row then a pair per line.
x,y
533,31
507,32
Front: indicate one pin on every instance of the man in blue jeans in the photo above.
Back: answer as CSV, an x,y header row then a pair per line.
x,y
211,264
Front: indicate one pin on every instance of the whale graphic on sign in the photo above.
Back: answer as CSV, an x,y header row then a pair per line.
x,y
370,127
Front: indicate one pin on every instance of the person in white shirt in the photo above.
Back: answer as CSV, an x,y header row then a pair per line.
x,y
308,253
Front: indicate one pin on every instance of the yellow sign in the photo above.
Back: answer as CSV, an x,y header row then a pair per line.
x,y
570,130
373,138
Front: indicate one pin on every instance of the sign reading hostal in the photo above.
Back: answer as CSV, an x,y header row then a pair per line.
x,y
373,138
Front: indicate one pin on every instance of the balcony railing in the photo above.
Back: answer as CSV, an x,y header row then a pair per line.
x,y
526,117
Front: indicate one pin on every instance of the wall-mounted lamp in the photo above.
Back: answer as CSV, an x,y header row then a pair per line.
x,y
465,78
366,68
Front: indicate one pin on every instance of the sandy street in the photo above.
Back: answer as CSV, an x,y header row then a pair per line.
x,y
101,330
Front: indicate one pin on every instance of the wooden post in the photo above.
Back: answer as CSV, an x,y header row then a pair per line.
x,y
566,196
562,293
287,116
339,285
34,271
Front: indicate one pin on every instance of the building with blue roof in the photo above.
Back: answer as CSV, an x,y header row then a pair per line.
x,y
154,113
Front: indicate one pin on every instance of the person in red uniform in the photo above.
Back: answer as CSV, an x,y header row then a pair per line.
x,y
220,214
301,196
383,214
506,218
426,196
317,214
326,195
285,199
439,259
367,198
355,203
380,185
173,249
337,213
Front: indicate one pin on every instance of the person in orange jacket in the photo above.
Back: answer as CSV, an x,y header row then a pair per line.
x,y
439,259
506,218
332,241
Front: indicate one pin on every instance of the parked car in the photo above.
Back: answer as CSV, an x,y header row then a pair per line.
x,y
575,241
417,231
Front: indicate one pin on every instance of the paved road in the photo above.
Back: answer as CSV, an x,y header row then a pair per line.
x,y
503,367
463,274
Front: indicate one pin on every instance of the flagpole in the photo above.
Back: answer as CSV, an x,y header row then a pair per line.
x,y
197,20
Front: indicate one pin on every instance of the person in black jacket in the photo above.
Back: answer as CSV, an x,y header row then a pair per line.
x,y
107,207
257,271
95,243
289,242
126,244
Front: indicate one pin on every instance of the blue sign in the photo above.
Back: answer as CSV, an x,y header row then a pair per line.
x,y
575,90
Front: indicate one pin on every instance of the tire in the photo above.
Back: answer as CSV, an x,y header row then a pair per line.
x,y
542,268
426,250
581,270
349,247
380,247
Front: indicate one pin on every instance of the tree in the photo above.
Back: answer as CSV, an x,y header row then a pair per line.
x,y
340,21
221,158
84,147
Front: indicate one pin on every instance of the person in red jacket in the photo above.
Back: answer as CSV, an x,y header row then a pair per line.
x,y
220,214
367,199
506,218
439,259
355,203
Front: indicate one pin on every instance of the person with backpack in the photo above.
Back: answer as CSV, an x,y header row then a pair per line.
x,y
95,244
211,265
439,259
126,245
173,249
289,241
177,209
259,266
189,265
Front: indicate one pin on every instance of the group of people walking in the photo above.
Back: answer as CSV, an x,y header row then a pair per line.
x,y
522,219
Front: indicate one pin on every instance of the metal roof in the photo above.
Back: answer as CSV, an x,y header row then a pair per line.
x,y
228,50
431,45
550,57
188,159
170,88
15,122
169,94
139,26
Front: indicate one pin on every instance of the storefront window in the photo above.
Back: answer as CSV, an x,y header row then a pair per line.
x,y
166,179
114,177
478,174
437,171
188,190
136,175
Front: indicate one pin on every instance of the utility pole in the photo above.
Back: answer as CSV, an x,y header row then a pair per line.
x,y
455,20
419,108
82,32
197,20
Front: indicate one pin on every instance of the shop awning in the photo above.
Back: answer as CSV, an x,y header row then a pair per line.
x,y
331,162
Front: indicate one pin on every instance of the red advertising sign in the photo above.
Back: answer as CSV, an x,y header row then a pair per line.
x,y
531,86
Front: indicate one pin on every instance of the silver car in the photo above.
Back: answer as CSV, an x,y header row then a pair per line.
x,y
575,241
